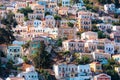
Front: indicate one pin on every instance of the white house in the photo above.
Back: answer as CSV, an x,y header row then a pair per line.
x,y
106,19
104,27
109,48
63,70
19,17
73,45
100,55
116,28
20,4
89,35
33,16
91,45
29,74
65,3
50,21
109,8
72,71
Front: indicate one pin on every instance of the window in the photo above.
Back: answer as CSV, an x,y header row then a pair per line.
x,y
76,69
80,70
10,49
17,55
15,50
84,70
88,70
59,69
23,76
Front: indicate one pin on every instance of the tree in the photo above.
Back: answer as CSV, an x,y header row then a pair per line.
x,y
47,13
41,59
78,34
25,59
38,18
114,75
66,53
111,61
25,11
117,4
109,69
86,1
59,42
116,23
65,38
9,21
26,45
101,34
70,24
6,36
56,17
45,74
26,18
83,60
105,1
95,28
116,15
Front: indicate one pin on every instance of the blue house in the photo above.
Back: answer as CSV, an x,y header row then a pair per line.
x,y
37,23
43,3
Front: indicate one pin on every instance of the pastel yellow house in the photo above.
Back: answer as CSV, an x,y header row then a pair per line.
x,y
116,58
84,20
63,10
38,8
96,67
117,69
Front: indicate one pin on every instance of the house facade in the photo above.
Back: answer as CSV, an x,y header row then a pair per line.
x,y
67,32
29,74
89,35
109,48
84,20
104,27
74,46
19,17
71,71
96,67
102,77
116,58
65,3
14,52
49,21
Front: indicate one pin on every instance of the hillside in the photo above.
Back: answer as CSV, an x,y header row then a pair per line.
x,y
102,2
